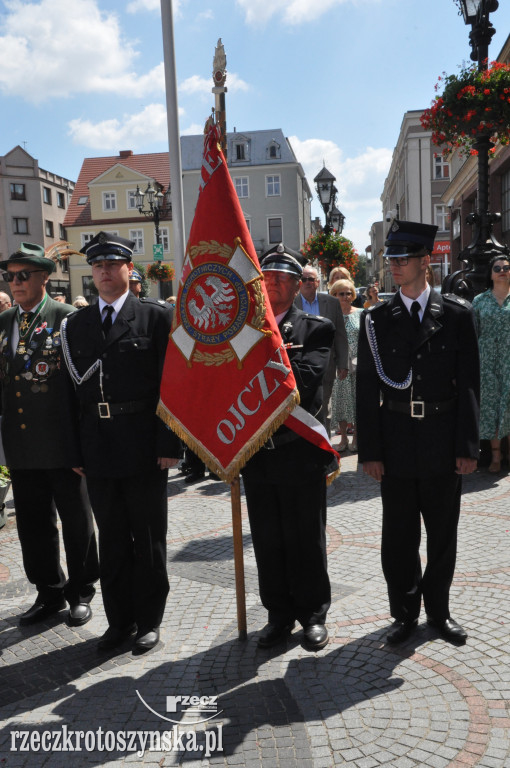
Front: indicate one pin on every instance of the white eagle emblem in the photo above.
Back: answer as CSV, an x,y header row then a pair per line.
x,y
214,304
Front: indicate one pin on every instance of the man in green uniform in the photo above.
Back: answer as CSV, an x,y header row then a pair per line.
x,y
39,431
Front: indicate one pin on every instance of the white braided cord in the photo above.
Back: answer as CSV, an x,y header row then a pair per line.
x,y
73,372
372,340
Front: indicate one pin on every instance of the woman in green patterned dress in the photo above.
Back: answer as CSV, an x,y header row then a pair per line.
x,y
343,399
492,310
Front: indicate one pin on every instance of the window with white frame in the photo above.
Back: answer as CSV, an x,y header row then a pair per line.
x,y
131,200
273,186
164,234
109,201
442,217
61,200
242,186
441,167
47,195
137,236
86,237
48,228
275,229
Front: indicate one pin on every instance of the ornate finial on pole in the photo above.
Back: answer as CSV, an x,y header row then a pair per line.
x,y
219,77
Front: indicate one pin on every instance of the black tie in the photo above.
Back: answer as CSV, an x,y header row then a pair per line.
x,y
415,314
107,322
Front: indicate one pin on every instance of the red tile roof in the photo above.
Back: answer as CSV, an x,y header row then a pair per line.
x,y
156,166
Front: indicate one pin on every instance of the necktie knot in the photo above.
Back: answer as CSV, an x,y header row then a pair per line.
x,y
415,313
107,322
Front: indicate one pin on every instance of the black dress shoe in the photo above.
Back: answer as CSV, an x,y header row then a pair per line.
x,y
79,614
41,610
316,636
194,477
449,629
146,639
113,637
401,630
274,633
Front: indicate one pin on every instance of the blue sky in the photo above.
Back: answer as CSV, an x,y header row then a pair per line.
x,y
83,78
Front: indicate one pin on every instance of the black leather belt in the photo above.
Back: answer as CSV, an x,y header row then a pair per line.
x,y
418,409
108,410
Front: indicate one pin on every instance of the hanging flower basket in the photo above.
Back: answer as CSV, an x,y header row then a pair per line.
x,y
473,104
160,273
331,250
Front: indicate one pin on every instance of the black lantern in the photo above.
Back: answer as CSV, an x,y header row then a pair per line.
x,y
159,204
327,193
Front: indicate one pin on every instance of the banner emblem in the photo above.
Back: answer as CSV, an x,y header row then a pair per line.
x,y
221,308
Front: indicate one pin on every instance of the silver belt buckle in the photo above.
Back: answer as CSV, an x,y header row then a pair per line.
x,y
104,410
417,409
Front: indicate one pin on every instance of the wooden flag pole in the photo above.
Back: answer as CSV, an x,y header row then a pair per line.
x,y
237,530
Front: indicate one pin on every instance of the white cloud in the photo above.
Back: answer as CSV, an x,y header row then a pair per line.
x,y
203,85
205,15
58,48
133,131
359,181
292,11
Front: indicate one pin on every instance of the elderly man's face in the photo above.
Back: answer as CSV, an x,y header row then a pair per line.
x,y
282,289
309,283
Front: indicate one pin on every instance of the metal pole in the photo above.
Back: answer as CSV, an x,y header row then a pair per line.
x,y
174,146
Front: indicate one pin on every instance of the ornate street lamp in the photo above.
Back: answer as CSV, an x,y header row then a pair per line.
x,y
159,204
327,193
484,244
337,220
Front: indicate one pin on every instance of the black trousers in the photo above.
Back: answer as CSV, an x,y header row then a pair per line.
x,y
437,500
38,495
131,515
289,538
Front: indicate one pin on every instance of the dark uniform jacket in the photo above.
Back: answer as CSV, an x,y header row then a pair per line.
x,y
329,307
39,426
309,339
132,360
443,356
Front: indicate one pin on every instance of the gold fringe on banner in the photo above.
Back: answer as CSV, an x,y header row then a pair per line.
x,y
256,442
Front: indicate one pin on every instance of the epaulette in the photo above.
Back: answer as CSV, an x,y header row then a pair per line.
x,y
159,302
318,318
456,300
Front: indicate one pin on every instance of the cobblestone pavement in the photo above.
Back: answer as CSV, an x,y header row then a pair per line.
x,y
358,702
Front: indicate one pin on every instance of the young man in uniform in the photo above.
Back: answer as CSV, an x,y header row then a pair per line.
x,y
417,418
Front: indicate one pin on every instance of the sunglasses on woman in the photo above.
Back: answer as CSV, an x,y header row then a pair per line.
x,y
504,268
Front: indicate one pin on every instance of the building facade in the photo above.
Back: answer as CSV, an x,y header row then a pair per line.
x,y
270,182
105,199
33,206
413,190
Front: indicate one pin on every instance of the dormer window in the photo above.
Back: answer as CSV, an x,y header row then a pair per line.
x,y
273,150
240,149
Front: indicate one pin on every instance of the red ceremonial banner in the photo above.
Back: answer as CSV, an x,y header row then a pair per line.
x,y
227,382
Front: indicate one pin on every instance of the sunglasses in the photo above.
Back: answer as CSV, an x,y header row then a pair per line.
x,y
399,261
23,275
308,279
498,268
